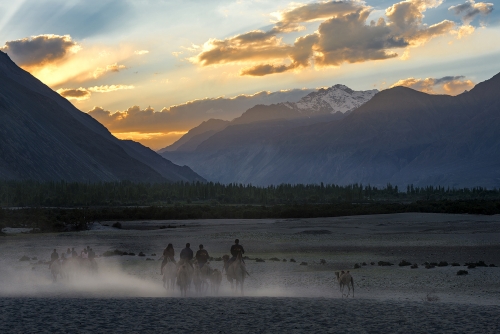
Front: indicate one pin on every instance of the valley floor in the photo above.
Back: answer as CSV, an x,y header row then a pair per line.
x,y
299,297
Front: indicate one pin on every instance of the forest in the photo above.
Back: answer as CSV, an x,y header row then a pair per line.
x,y
113,194
63,206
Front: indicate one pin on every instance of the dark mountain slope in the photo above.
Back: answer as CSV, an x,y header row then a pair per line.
x,y
43,137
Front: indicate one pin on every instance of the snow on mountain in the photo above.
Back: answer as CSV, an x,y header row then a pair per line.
x,y
338,98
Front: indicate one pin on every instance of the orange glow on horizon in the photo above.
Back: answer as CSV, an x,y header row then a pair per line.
x,y
153,140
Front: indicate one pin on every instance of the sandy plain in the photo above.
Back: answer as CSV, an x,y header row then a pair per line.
x,y
127,293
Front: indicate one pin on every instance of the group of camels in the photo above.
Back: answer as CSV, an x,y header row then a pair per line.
x,y
72,266
184,274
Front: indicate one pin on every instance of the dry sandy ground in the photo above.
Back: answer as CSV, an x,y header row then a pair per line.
x,y
300,298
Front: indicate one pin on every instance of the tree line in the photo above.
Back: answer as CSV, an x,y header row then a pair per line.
x,y
71,219
115,194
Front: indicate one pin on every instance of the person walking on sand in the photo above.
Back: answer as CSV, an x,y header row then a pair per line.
x,y
168,255
187,254
202,257
73,253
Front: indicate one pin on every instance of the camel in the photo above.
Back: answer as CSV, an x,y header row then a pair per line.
x,y
169,275
345,279
215,281
237,272
55,270
183,279
200,277
197,280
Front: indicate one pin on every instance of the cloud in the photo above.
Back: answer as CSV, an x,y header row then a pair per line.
x,y
141,52
40,50
451,85
78,94
470,10
344,36
100,71
109,88
188,115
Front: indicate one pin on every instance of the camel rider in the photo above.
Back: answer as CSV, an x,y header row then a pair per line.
x,y
201,257
168,254
91,255
187,254
53,257
235,250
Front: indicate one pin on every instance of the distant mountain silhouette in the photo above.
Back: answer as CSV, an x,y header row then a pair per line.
x,y
196,135
401,136
44,137
326,104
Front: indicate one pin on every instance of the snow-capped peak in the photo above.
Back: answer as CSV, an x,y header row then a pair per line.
x,y
338,98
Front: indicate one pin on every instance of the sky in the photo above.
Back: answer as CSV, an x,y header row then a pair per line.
x,y
138,66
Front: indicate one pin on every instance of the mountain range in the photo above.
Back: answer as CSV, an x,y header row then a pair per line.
x,y
44,137
326,104
400,136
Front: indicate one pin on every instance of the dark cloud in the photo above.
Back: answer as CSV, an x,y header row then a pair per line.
x,y
78,94
471,9
40,50
344,35
261,70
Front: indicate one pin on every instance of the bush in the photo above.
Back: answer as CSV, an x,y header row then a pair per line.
x,y
404,263
384,264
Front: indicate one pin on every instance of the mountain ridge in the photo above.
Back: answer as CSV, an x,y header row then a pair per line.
x,y
44,137
400,136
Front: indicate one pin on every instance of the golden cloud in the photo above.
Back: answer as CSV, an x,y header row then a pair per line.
x,y
451,85
141,52
78,94
100,71
109,88
344,36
